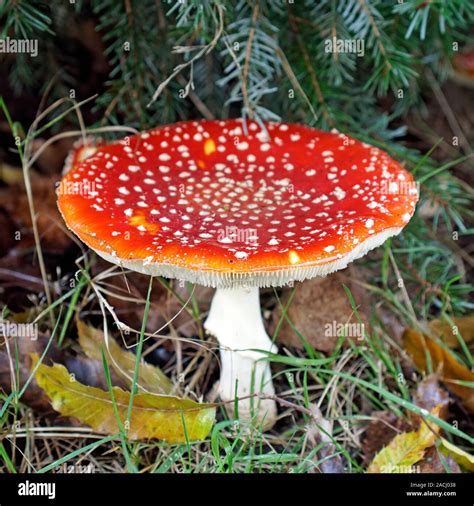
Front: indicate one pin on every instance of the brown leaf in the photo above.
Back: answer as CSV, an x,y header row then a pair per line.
x,y
406,449
464,459
381,431
319,310
442,362
50,225
20,275
463,327
151,378
90,372
429,394
433,463
7,237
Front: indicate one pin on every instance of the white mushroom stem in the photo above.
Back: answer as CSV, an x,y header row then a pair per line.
x,y
236,321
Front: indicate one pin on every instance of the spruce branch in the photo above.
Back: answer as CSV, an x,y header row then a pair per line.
x,y
377,33
251,45
201,51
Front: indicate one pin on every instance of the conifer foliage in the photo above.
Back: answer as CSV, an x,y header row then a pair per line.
x,y
324,62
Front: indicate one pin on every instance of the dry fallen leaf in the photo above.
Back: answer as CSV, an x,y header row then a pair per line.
x,y
380,431
319,310
50,225
443,362
434,462
10,174
405,450
153,416
430,394
463,327
7,238
91,372
464,459
151,378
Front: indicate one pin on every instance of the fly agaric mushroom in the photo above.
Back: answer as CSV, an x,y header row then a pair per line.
x,y
235,207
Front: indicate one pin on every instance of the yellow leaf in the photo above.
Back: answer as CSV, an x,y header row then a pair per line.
x,y
153,416
11,175
450,370
405,449
461,457
464,326
151,378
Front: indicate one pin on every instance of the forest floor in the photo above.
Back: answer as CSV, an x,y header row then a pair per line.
x,y
341,400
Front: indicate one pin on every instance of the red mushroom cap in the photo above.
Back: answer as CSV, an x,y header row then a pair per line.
x,y
207,202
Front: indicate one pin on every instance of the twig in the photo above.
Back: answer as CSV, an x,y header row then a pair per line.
x,y
198,103
202,52
448,112
294,80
